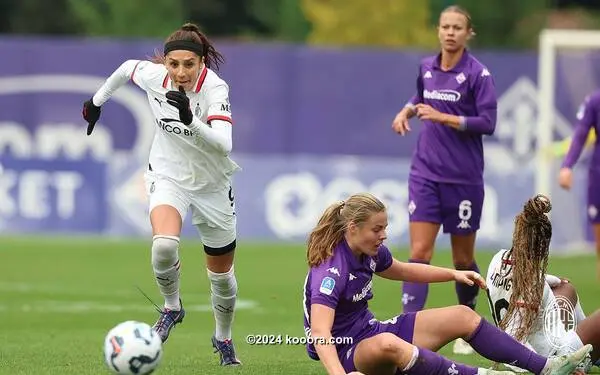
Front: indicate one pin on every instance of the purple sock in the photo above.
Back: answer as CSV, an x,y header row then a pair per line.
x,y
498,346
467,295
414,295
432,363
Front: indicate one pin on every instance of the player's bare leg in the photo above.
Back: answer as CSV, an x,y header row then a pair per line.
x,y
388,354
422,242
568,290
166,229
220,269
463,257
435,328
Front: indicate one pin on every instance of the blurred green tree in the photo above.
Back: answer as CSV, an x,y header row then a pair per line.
x,y
40,17
383,23
127,18
283,19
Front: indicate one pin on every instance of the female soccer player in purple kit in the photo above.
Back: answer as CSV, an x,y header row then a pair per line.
x,y
457,105
588,117
344,251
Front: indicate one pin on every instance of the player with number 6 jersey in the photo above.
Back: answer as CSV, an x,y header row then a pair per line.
x,y
189,169
456,102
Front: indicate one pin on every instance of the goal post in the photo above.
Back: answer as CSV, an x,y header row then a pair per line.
x,y
551,41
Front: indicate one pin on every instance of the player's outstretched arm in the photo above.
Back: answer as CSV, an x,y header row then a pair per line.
x,y
117,79
425,273
92,107
321,321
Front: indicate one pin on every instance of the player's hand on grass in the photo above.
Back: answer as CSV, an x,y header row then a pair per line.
x,y
470,278
565,178
179,100
91,114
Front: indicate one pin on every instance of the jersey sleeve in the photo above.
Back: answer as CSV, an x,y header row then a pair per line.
x,y
138,71
219,107
486,102
586,116
418,96
327,284
384,259
144,73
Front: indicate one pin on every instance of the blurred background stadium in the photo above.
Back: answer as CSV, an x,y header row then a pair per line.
x,y
314,87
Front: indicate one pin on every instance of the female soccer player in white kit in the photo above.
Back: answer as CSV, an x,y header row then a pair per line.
x,y
189,168
522,294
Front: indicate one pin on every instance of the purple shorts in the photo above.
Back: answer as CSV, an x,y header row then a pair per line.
x,y
593,199
402,326
456,206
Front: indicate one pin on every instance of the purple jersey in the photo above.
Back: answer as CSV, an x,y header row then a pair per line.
x,y
343,282
445,154
588,117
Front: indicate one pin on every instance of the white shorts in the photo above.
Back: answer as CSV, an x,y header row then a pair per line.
x,y
213,214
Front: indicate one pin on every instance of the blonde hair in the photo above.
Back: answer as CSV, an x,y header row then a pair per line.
x,y
529,253
334,221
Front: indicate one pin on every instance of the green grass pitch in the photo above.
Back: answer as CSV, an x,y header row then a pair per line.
x,y
60,296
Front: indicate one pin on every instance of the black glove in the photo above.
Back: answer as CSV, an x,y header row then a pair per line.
x,y
179,100
91,114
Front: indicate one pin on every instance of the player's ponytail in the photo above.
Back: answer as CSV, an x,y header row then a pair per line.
x,y
529,257
332,225
328,232
190,33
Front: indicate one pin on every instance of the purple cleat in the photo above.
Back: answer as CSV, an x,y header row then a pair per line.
x,y
226,352
167,320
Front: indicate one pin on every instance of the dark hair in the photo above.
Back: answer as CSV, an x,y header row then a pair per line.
x,y
333,223
190,32
460,10
529,253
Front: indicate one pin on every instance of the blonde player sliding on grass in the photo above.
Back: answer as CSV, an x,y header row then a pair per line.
x,y
189,169
344,251
522,294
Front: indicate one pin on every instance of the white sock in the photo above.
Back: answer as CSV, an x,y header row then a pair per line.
x,y
413,359
166,265
223,287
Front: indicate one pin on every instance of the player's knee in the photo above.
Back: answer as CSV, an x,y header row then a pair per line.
x,y
468,319
391,347
421,250
164,249
218,251
223,284
566,290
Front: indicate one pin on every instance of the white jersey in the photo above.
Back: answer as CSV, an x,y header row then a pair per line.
x,y
499,283
195,157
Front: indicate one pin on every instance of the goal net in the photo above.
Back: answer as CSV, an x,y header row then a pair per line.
x,y
568,71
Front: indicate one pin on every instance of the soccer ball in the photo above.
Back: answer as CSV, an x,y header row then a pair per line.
x,y
132,348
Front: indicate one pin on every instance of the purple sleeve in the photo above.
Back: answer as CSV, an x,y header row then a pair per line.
x,y
327,285
585,117
413,101
484,92
418,96
384,259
